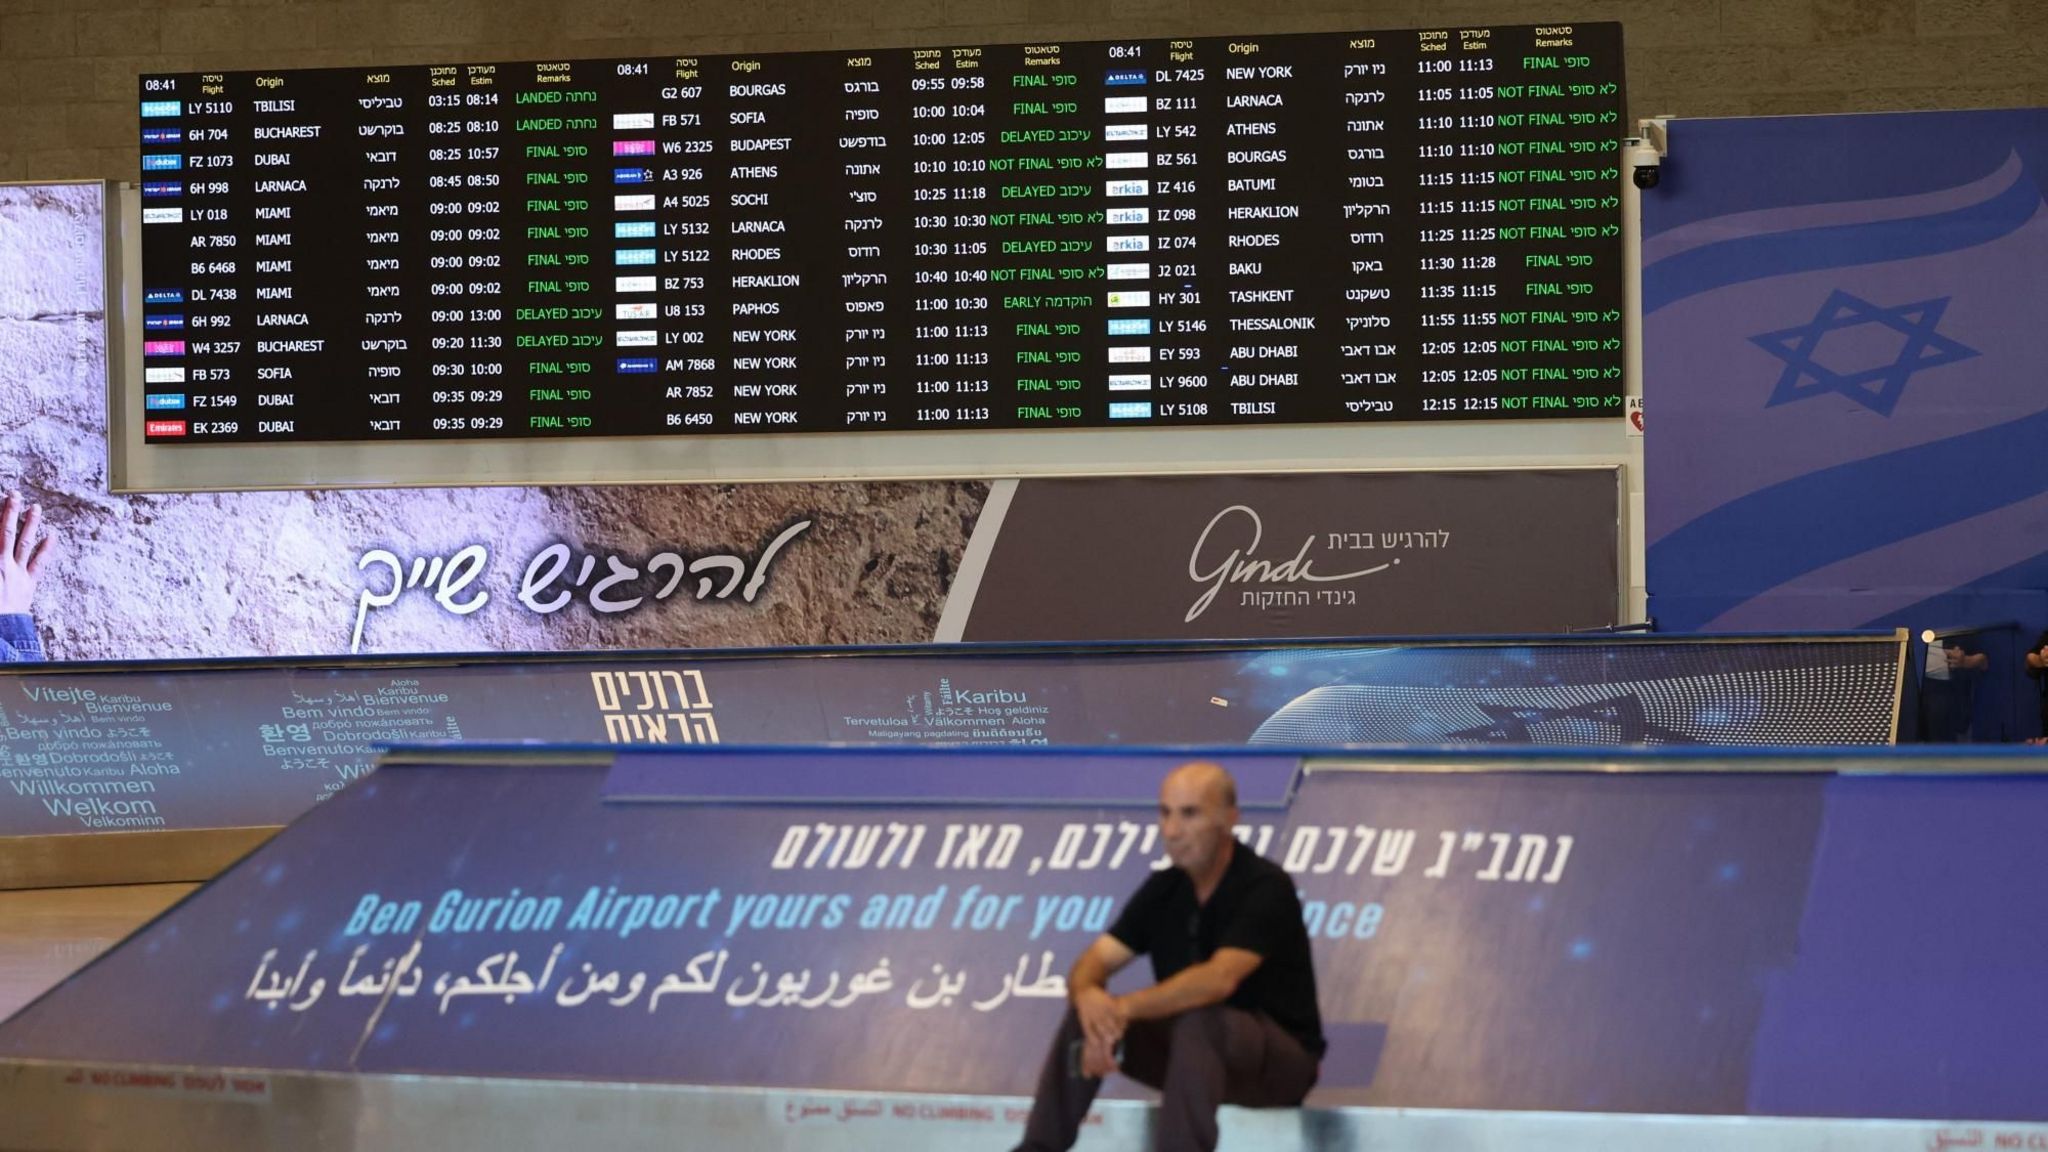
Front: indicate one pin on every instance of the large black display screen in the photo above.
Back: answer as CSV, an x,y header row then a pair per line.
x,y
1320,228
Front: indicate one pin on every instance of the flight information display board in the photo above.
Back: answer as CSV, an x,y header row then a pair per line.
x,y
1297,229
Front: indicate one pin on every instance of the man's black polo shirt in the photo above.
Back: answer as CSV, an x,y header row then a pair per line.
x,y
1254,908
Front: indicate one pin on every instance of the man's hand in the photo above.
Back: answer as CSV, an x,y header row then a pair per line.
x,y
1097,1060
22,553
1102,1018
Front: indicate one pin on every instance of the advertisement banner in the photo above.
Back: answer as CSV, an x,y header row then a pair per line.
x,y
1339,554
556,569
106,750
1707,943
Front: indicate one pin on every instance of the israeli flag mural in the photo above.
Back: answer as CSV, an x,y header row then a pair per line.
x,y
1844,320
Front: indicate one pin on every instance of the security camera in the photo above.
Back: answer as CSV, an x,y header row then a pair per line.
x,y
1644,154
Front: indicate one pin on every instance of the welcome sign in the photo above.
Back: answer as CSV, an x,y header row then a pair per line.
x,y
1712,942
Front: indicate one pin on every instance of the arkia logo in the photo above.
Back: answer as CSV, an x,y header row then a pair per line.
x,y
1210,565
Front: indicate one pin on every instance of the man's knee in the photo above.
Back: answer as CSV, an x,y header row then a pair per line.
x,y
1204,1026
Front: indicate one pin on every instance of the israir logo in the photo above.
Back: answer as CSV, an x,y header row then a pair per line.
x,y
1850,320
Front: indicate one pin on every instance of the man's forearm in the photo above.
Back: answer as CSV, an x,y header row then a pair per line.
x,y
1196,986
1087,974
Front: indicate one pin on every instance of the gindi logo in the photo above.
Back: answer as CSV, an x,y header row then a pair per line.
x,y
1210,565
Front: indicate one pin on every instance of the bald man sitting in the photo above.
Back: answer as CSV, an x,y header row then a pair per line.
x,y
1233,1016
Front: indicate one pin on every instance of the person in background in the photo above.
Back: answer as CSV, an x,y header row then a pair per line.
x,y
23,552
1233,1018
2037,668
1948,683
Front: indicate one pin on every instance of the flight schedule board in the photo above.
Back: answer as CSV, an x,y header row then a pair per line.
x,y
1288,229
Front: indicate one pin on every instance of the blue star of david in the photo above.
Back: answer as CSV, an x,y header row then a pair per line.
x,y
1510,723
1877,388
